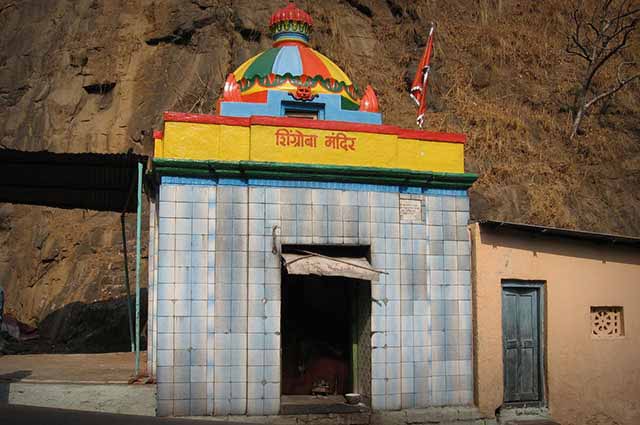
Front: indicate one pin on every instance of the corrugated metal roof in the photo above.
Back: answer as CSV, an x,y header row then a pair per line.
x,y
96,181
565,233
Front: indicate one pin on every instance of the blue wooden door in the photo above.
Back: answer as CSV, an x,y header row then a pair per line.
x,y
521,344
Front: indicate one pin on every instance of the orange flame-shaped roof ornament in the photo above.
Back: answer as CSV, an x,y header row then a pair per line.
x,y
369,101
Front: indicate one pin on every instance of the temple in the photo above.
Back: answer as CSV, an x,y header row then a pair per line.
x,y
301,250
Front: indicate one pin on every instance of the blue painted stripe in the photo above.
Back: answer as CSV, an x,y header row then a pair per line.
x,y
312,185
287,60
187,180
332,108
290,36
411,190
445,192
325,185
232,182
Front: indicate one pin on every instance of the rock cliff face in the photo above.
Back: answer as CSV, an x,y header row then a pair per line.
x,y
95,76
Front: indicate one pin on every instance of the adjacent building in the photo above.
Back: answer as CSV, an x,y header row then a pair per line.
x,y
556,317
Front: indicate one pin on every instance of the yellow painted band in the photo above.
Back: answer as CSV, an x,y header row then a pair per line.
x,y
243,68
193,141
158,150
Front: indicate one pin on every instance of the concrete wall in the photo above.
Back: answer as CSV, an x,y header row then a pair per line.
x,y
107,398
217,289
589,380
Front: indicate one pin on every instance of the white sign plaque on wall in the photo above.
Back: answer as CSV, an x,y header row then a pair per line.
x,y
410,211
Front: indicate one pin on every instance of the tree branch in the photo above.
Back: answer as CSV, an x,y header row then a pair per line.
x,y
577,53
599,35
611,92
629,13
575,38
604,59
621,83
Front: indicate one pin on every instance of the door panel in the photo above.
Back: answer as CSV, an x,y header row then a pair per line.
x,y
521,331
510,335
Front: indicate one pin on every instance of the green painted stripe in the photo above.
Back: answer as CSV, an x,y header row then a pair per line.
x,y
349,105
313,172
263,64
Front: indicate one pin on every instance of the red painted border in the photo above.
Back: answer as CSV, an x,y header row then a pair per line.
x,y
206,119
316,124
158,134
434,136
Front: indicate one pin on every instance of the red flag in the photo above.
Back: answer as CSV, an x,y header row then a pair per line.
x,y
419,87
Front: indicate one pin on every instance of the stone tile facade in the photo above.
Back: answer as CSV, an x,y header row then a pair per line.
x,y
214,323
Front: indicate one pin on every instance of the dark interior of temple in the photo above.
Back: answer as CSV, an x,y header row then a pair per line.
x,y
316,334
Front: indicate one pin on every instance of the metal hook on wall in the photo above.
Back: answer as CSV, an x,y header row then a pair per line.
x,y
275,248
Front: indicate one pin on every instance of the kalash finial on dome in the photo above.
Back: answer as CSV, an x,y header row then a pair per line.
x,y
290,24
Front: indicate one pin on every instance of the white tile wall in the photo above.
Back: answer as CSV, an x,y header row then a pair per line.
x,y
215,294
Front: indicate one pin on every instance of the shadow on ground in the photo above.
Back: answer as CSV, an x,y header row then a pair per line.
x,y
6,380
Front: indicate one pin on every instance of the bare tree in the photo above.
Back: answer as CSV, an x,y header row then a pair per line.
x,y
600,38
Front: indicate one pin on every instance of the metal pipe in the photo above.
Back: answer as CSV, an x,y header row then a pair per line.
x,y
354,340
138,249
126,281
126,262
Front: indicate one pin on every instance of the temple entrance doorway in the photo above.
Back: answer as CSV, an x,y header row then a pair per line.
x,y
326,340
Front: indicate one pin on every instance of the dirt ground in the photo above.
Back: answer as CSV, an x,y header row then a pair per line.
x,y
70,368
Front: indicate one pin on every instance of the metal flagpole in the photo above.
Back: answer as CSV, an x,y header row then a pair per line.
x,y
422,108
126,266
418,91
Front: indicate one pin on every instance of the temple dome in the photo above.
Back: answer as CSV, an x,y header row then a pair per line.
x,y
291,64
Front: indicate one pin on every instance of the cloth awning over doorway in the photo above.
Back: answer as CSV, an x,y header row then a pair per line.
x,y
321,265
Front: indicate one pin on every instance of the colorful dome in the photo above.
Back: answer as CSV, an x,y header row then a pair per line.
x,y
291,65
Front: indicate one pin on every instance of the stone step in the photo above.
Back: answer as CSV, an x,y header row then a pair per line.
x,y
530,422
458,415
310,419
525,416
462,415
305,405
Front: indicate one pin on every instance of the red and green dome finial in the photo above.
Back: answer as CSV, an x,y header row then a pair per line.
x,y
290,24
